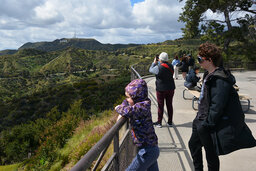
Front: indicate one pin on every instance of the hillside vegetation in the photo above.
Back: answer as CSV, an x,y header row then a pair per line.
x,y
239,51
46,95
59,44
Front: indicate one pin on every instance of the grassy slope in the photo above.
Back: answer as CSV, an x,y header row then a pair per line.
x,y
86,135
12,167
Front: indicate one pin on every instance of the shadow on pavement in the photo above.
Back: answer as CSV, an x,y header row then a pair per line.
x,y
250,112
187,125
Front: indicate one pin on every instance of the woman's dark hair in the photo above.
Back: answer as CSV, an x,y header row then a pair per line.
x,y
211,51
176,57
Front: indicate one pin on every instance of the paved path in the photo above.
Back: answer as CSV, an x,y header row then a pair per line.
x,y
173,141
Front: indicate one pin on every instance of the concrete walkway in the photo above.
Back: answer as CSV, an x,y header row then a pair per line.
x,y
173,141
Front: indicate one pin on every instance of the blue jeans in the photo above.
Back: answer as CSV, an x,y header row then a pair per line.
x,y
146,159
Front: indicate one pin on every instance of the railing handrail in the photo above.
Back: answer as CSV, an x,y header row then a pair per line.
x,y
100,147
86,161
137,74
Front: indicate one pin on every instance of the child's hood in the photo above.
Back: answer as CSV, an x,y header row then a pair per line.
x,y
138,90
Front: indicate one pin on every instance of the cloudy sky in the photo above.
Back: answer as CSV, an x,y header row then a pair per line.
x,y
108,21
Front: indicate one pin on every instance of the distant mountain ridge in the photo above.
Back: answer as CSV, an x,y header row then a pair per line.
x,y
7,52
88,44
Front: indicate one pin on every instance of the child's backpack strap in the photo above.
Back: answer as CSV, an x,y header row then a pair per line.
x,y
167,66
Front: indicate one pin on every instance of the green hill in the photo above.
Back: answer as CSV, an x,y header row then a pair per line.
x,y
24,62
7,52
70,60
59,44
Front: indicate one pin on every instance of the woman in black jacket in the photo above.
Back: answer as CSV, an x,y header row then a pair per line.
x,y
219,125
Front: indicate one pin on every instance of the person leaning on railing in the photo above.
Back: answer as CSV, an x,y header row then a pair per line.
x,y
137,107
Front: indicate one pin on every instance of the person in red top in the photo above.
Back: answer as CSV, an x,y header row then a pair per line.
x,y
165,87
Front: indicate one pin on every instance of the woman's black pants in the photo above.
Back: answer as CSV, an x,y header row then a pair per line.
x,y
201,137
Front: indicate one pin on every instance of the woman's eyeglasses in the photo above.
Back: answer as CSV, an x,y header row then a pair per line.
x,y
200,59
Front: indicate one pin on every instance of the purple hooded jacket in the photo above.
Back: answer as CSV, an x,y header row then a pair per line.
x,y
143,132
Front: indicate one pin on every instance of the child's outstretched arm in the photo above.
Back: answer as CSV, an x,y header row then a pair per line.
x,y
125,109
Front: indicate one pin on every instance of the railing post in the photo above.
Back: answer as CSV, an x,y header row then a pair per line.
x,y
116,151
127,125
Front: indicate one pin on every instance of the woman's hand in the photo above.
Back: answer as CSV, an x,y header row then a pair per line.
x,y
155,60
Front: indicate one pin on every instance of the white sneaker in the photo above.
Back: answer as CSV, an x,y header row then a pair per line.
x,y
157,124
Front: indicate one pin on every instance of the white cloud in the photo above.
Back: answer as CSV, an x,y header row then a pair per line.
x,y
46,15
111,21
18,9
160,16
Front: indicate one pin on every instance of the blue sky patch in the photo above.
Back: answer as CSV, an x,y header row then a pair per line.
x,y
136,1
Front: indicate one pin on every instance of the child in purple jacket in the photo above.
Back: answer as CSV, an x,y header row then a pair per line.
x,y
137,107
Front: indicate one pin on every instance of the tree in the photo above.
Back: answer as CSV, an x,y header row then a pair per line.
x,y
213,31
248,27
193,16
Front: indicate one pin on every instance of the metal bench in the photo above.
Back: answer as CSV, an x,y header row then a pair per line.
x,y
195,98
243,97
196,94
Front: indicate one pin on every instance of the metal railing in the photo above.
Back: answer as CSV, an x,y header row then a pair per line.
x,y
100,148
238,65
124,149
140,71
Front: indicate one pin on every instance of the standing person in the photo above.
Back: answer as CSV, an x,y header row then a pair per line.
x,y
219,125
184,66
137,108
191,62
165,87
175,62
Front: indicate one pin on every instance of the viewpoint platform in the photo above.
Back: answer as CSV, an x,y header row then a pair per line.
x,y
173,141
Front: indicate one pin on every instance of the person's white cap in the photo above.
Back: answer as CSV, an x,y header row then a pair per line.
x,y
163,56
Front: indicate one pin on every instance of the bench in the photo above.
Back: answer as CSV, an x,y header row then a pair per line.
x,y
237,69
194,93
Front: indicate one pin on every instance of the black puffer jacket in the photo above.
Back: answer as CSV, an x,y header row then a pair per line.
x,y
164,79
225,117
